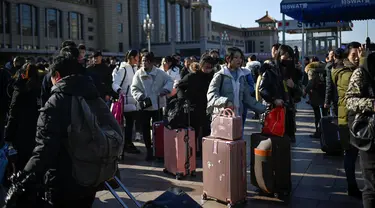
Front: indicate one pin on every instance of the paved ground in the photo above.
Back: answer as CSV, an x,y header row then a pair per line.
x,y
318,180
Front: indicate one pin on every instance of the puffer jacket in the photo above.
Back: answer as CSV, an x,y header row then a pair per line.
x,y
316,84
341,78
271,85
122,79
221,92
151,85
175,75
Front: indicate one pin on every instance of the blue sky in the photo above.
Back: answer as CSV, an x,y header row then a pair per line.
x,y
245,12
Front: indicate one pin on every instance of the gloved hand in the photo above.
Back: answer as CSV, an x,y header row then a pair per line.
x,y
164,92
20,182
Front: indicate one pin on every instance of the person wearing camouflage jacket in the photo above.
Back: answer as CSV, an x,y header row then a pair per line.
x,y
360,99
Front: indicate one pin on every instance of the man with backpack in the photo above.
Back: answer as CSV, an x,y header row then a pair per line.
x,y
78,142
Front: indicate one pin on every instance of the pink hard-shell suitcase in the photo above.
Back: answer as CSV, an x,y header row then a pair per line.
x,y
179,152
224,170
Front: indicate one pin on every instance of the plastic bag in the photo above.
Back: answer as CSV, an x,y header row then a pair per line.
x,y
274,122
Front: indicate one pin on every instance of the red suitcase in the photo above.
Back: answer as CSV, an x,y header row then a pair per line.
x,y
180,152
224,170
158,139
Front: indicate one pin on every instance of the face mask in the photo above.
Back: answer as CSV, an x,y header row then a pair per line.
x,y
287,63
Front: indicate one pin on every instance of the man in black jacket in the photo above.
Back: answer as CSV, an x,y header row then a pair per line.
x,y
50,155
102,76
331,97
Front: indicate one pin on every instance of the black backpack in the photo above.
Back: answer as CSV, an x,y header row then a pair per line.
x,y
95,141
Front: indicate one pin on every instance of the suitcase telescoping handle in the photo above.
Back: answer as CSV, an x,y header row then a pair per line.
x,y
321,111
125,190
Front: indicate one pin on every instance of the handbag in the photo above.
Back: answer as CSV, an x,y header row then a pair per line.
x,y
274,122
226,125
146,103
362,127
178,112
362,131
117,110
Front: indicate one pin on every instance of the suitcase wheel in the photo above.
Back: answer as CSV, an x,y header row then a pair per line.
x,y
165,170
193,173
204,196
179,176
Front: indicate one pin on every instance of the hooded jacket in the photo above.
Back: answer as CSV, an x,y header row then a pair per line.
x,y
234,91
314,86
50,154
341,78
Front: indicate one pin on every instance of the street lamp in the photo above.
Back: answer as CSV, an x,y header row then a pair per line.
x,y
148,26
223,37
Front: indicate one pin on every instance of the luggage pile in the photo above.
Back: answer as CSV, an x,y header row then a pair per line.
x,y
224,160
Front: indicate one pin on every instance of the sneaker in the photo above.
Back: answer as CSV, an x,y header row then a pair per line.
x,y
138,136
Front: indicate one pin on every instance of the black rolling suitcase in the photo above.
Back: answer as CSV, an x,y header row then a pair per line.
x,y
329,134
270,165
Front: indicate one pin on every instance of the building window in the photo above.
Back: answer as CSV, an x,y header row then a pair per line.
x,y
120,28
119,8
4,17
163,31
250,46
143,11
208,14
91,37
27,20
261,42
120,47
90,29
90,20
75,26
261,46
53,23
262,51
179,28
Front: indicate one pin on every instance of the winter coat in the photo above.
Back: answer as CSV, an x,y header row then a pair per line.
x,y
23,115
122,79
316,85
175,75
102,77
50,156
221,92
341,78
194,87
151,85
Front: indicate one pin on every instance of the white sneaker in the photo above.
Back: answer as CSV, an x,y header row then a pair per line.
x,y
138,136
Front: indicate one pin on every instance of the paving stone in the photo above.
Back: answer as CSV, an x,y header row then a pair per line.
x,y
318,180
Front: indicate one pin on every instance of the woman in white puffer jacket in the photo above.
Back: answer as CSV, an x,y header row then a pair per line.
x,y
168,64
122,80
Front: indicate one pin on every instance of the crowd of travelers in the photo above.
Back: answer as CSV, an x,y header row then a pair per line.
x,y
37,107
